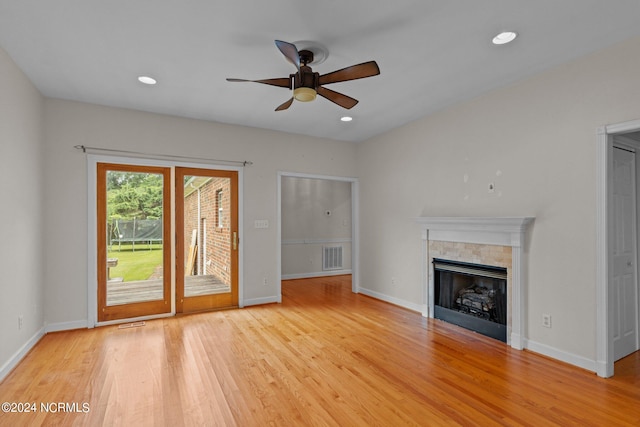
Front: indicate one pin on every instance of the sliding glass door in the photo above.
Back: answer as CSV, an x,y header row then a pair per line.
x,y
207,242
134,244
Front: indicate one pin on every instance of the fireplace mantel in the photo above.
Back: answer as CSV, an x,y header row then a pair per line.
x,y
507,231
502,231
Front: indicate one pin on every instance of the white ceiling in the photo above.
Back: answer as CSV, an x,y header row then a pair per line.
x,y
431,53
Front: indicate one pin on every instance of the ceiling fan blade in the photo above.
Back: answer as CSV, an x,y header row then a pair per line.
x,y
360,71
281,82
342,100
285,105
290,51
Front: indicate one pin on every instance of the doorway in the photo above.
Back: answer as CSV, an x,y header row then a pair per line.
x,y
207,239
318,252
134,245
166,240
617,302
623,284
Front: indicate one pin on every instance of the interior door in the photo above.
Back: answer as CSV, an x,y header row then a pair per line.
x,y
624,297
134,245
207,242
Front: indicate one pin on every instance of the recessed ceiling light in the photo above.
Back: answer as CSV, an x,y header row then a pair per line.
x,y
346,118
505,37
147,80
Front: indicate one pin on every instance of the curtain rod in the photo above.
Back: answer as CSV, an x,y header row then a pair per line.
x,y
94,150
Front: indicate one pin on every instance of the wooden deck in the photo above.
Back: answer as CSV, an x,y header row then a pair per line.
x,y
119,292
324,357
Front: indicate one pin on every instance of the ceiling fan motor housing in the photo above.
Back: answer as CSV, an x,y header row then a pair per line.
x,y
306,57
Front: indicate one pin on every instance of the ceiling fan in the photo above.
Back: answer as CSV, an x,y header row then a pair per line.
x,y
306,83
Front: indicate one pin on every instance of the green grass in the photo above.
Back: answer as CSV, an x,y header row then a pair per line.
x,y
138,265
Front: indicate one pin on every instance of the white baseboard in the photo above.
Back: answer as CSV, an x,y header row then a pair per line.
x,y
563,356
603,370
65,326
316,274
20,354
420,308
260,301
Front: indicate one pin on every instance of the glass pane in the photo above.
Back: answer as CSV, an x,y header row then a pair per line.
x,y
207,234
134,237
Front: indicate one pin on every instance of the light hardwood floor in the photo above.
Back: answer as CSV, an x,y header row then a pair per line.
x,y
324,356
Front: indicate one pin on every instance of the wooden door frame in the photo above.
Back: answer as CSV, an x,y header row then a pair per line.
x,y
205,302
147,308
92,160
604,363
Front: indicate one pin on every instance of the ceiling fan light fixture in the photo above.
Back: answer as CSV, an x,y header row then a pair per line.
x,y
304,94
505,37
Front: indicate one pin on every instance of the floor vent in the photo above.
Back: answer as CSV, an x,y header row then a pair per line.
x,y
332,258
131,325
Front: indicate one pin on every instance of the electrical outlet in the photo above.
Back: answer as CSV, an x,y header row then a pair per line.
x,y
393,282
546,320
264,281
20,322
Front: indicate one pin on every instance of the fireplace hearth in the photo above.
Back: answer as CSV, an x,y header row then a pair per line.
x,y
473,296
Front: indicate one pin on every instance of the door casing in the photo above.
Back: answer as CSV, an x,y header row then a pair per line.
x,y
355,237
604,363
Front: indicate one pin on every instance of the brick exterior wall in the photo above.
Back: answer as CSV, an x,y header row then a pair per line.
x,y
217,259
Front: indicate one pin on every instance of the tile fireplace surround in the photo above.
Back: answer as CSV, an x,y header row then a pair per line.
x,y
497,241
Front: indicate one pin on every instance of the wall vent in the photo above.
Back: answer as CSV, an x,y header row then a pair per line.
x,y
332,257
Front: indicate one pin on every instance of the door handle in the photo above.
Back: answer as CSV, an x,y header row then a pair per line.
x,y
235,241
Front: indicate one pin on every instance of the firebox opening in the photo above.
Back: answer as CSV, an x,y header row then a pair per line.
x,y
472,296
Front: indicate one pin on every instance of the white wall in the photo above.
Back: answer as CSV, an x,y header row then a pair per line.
x,y
536,141
71,123
21,191
306,227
